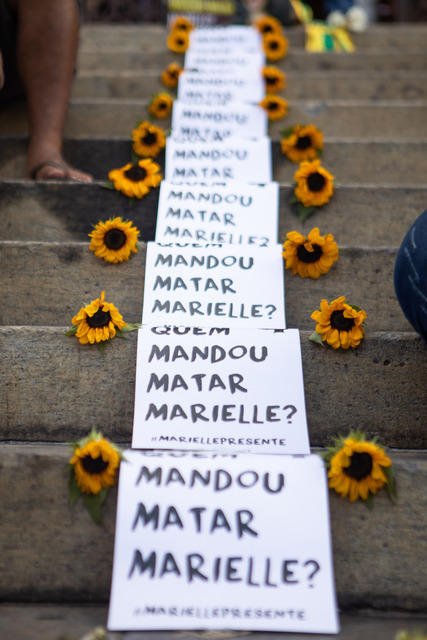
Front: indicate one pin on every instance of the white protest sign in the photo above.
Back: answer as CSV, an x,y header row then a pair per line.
x,y
214,124
214,286
237,35
202,88
238,213
240,59
231,72
221,389
207,541
234,159
224,50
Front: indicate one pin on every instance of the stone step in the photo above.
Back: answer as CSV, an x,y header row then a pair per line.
x,y
57,211
52,622
54,389
148,37
60,555
350,161
387,59
388,120
68,275
405,85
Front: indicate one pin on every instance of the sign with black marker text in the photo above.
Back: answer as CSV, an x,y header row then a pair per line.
x,y
205,61
238,213
202,88
222,542
239,36
234,159
214,285
218,388
215,124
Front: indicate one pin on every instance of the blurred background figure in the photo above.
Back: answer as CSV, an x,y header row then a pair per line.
x,y
156,10
410,275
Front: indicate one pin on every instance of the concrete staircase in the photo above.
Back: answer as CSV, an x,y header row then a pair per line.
x,y
56,565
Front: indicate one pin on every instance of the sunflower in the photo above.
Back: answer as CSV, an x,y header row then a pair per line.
x,y
114,240
178,41
97,321
170,75
95,463
275,106
314,184
274,79
310,256
268,24
181,23
136,180
339,324
275,46
357,468
302,142
161,105
148,139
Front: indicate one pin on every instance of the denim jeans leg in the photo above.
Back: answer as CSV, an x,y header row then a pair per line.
x,y
410,275
337,5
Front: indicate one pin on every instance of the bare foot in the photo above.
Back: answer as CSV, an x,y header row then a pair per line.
x,y
58,170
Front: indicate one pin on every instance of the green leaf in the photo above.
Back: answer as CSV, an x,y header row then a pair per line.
x,y
71,331
108,185
285,133
305,212
127,329
74,492
93,503
317,338
391,483
369,502
130,326
134,158
355,307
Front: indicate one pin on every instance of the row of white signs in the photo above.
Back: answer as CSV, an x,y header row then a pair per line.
x,y
220,538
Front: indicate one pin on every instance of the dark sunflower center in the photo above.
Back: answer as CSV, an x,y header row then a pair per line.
x,y
267,28
149,138
94,465
360,466
316,181
309,256
339,322
173,74
273,45
136,173
272,106
180,41
162,105
99,319
115,239
271,80
303,142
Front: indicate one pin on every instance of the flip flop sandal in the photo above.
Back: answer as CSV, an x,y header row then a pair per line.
x,y
55,165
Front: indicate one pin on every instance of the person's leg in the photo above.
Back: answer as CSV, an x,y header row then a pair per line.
x,y
1,72
10,85
47,41
410,275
